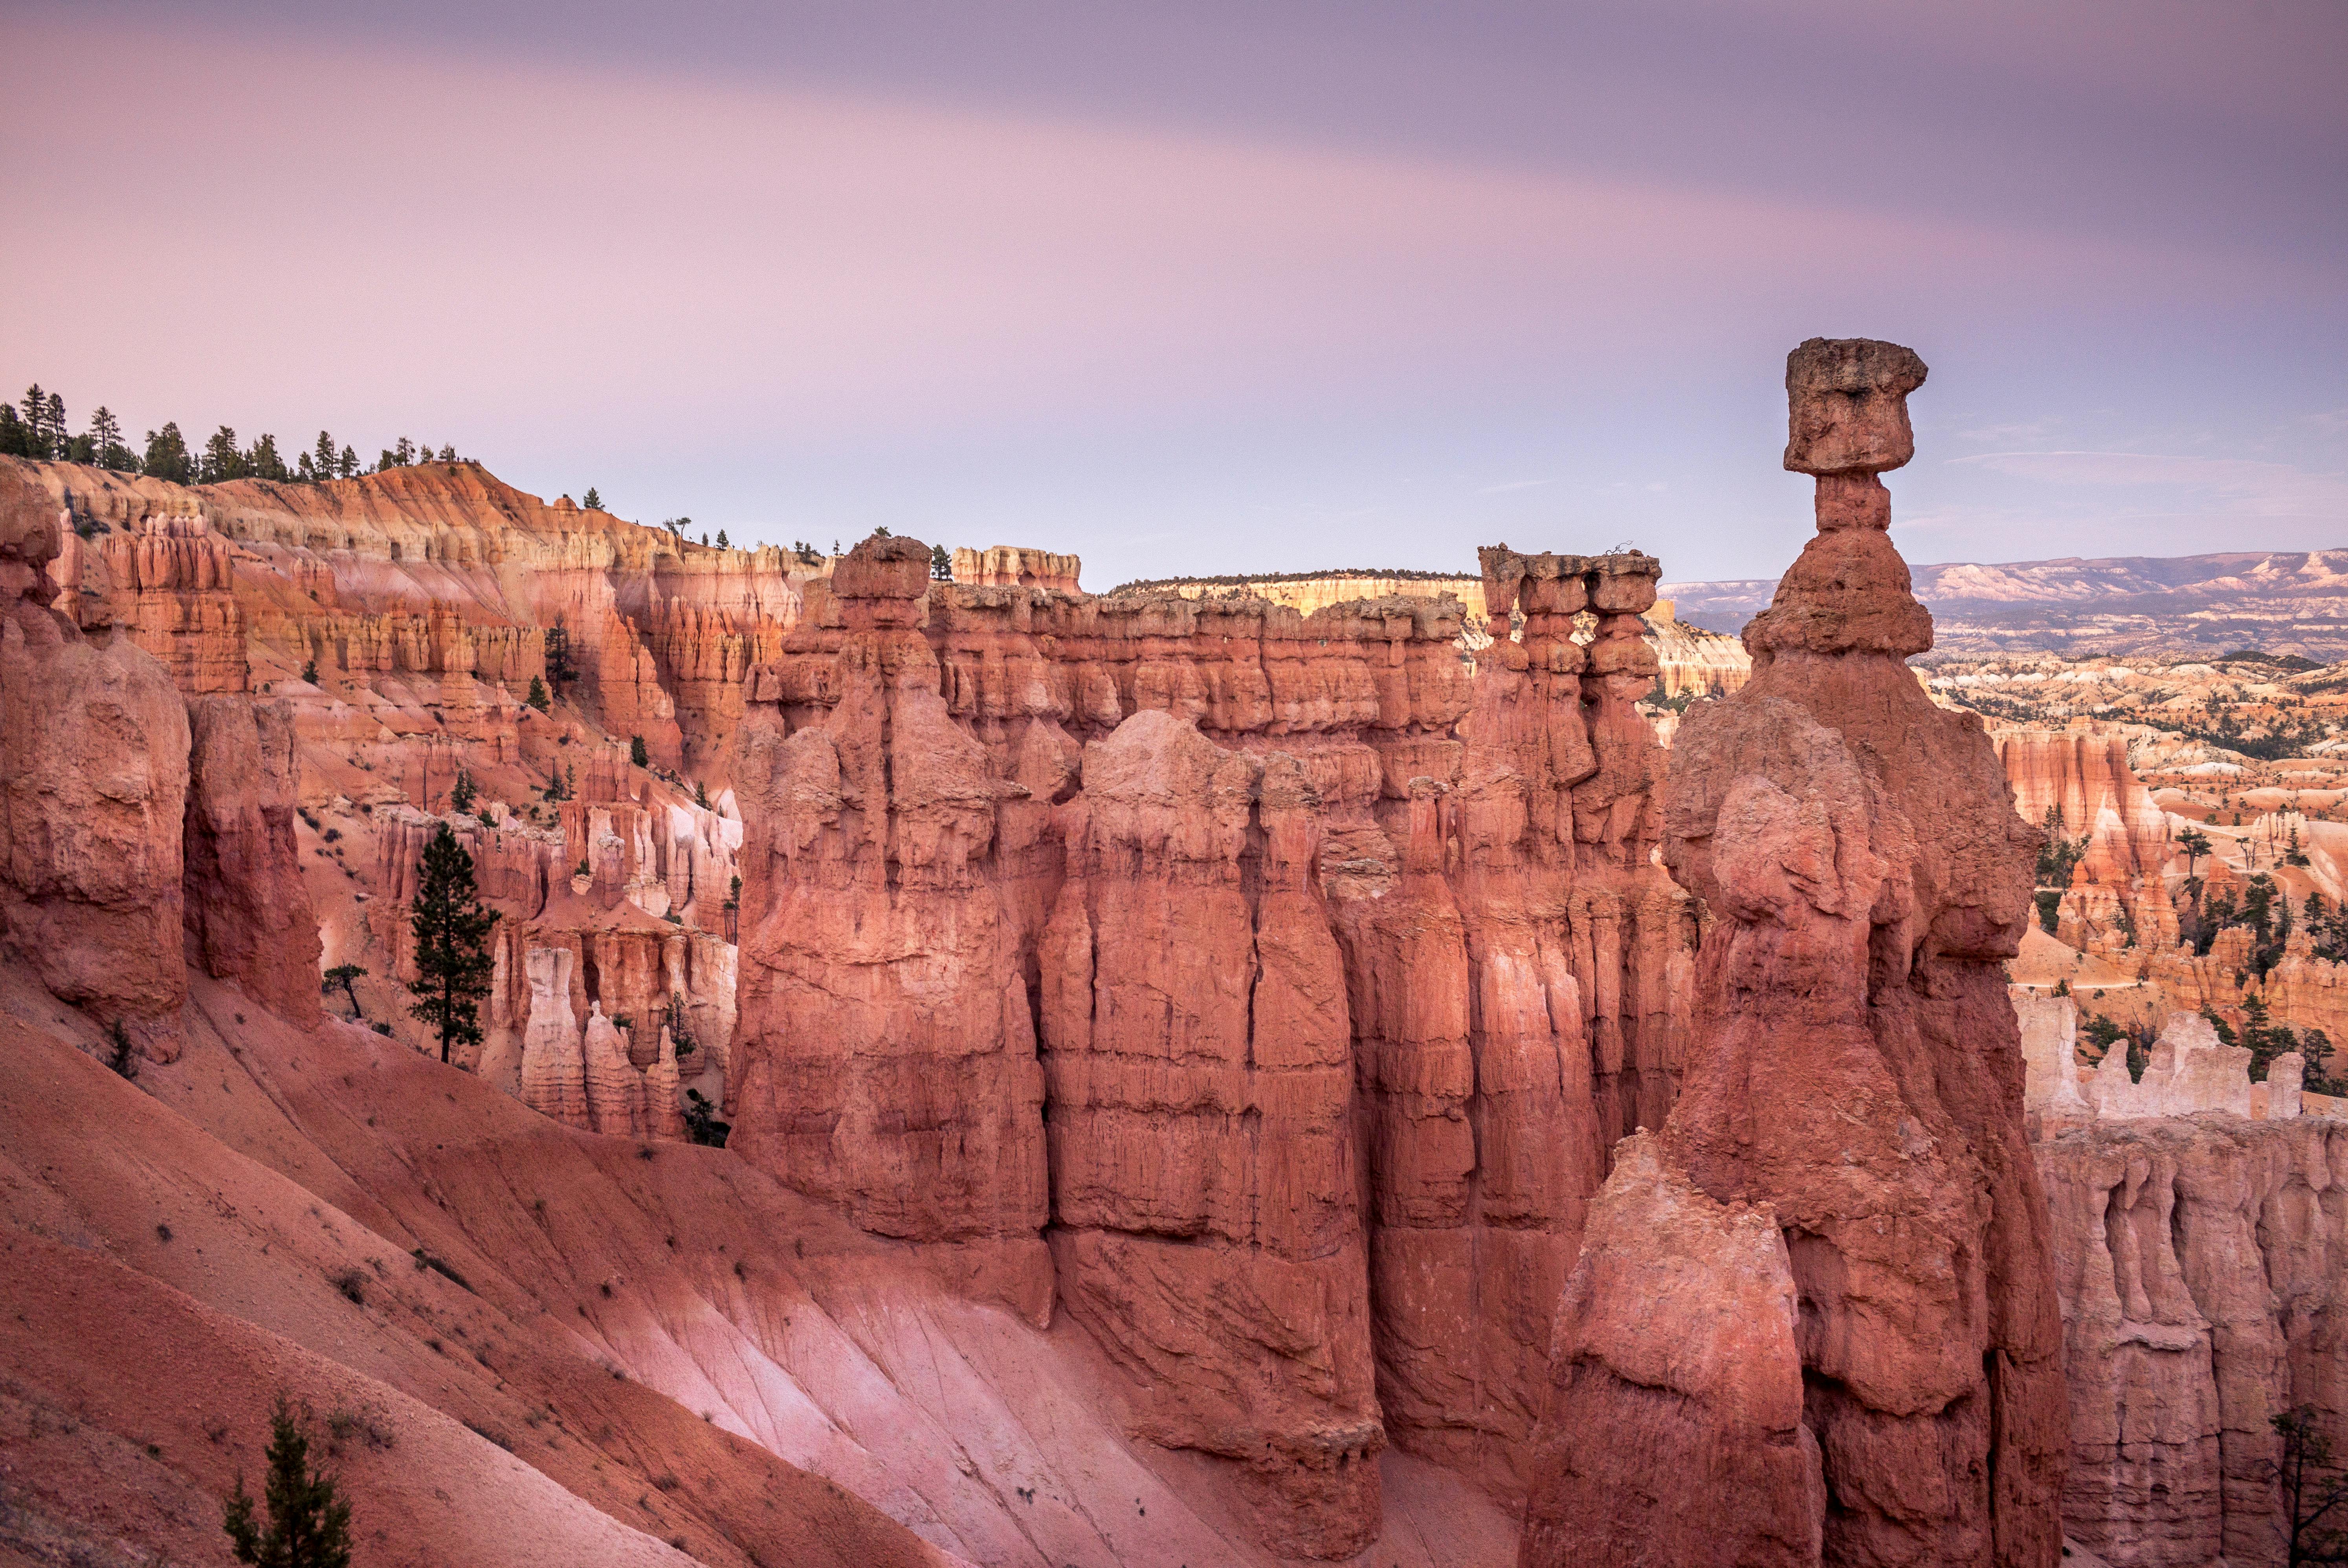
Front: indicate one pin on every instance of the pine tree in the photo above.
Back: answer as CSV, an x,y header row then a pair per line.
x,y
343,975
106,438
721,540
167,456
309,1521
16,440
556,642
2315,1490
36,421
322,456
309,670
593,503
348,464
305,471
448,453
262,462
637,756
462,793
941,565
452,944
223,459
538,698
403,455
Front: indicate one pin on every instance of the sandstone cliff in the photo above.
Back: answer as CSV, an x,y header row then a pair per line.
x,y
93,785
1324,946
2203,1264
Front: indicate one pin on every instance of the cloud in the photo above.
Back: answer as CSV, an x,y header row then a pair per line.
x,y
2232,487
2022,432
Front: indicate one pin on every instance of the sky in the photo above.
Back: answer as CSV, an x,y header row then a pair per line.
x,y
1201,288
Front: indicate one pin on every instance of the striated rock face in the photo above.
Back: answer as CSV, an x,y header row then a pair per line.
x,y
1012,566
1692,1304
1204,1176
2085,782
1693,661
553,1057
889,1060
615,1089
248,913
2203,1265
1858,1072
93,782
1297,972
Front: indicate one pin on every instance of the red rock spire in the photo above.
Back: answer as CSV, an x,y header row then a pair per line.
x,y
1845,1171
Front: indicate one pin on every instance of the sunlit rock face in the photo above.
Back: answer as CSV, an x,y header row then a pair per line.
x,y
1856,1080
1293,964
93,784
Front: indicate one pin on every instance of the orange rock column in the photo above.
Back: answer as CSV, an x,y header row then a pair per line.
x,y
885,1055
1856,1086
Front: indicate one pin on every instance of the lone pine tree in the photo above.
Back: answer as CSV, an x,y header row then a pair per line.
x,y
309,1521
452,944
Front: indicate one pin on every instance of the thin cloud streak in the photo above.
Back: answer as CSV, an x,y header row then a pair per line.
x,y
2233,486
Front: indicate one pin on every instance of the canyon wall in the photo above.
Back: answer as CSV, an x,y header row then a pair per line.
x,y
1295,978
1690,660
1846,1165
93,784
429,578
2084,784
1012,566
2201,1256
2203,1263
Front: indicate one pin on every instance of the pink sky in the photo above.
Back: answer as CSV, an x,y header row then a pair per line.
x,y
1202,316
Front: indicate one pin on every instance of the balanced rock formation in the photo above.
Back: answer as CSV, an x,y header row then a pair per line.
x,y
1856,1080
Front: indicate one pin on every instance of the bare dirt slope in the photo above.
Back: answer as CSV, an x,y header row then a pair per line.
x,y
620,1338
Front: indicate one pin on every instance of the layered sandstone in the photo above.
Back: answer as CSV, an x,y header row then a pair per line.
x,y
554,1053
1250,886
1859,1082
93,785
248,913
2203,1265
1692,661
2080,786
1013,566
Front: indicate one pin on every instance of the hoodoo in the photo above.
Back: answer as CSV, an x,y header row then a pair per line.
x,y
1813,1318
